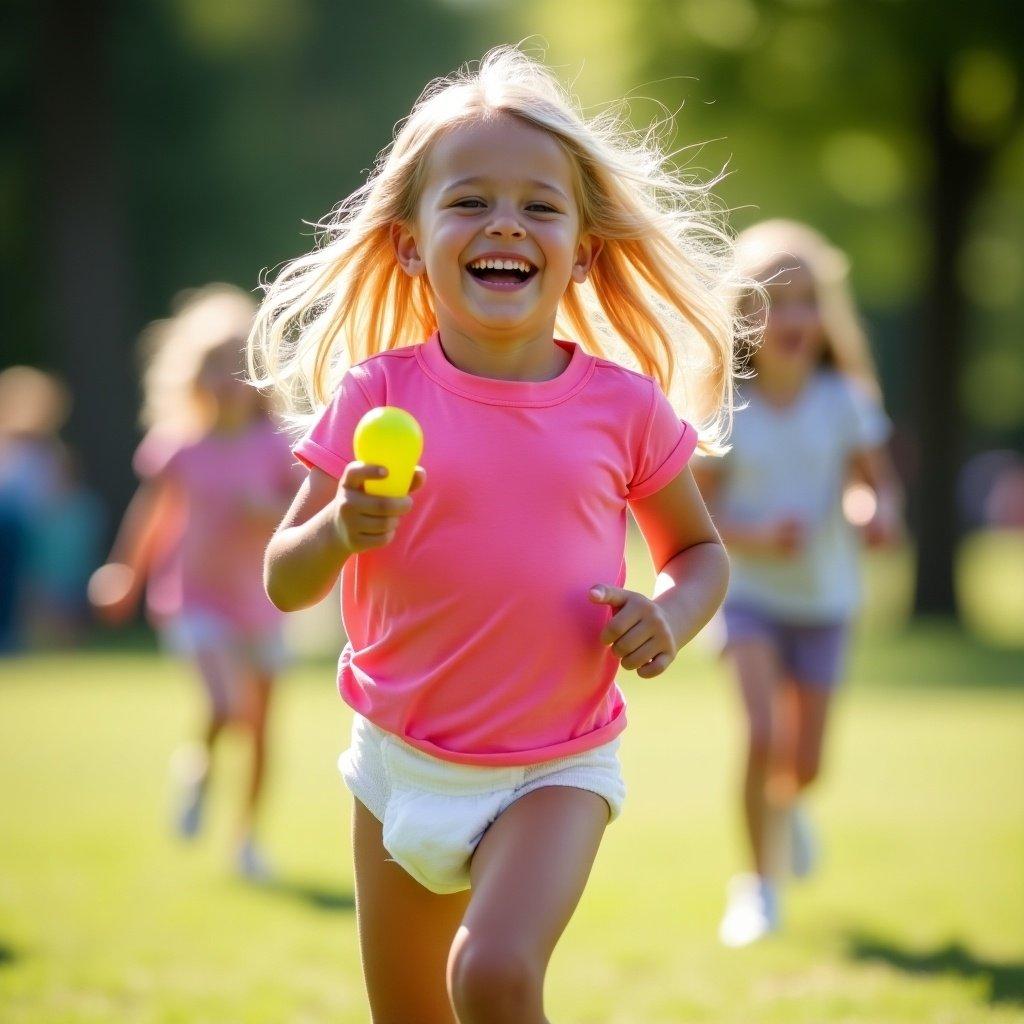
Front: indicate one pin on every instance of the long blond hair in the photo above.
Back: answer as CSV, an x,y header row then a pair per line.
x,y
174,351
765,250
660,294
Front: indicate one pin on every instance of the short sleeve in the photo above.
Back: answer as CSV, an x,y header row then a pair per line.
x,y
667,445
868,426
328,444
156,455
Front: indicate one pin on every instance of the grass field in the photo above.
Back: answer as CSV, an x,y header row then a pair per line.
x,y
917,915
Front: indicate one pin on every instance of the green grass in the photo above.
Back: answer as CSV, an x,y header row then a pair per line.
x,y
918,914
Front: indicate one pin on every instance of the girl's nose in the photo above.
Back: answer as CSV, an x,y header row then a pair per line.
x,y
504,225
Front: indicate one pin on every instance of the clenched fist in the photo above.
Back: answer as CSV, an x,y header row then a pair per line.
x,y
364,521
639,632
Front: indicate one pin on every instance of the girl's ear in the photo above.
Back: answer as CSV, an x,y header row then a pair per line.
x,y
586,252
406,251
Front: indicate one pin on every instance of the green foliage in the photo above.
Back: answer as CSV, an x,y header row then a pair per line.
x,y
240,121
236,121
819,109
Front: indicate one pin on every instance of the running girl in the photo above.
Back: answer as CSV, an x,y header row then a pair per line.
x,y
486,612
216,478
812,424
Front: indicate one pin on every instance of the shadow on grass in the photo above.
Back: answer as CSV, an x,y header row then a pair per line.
x,y
1005,979
315,896
7,955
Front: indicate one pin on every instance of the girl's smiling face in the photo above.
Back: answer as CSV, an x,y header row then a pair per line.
x,y
497,230
793,335
219,382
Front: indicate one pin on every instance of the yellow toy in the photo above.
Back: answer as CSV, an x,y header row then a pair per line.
x,y
391,437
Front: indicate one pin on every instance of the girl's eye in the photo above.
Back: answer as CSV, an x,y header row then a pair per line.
x,y
470,204
541,208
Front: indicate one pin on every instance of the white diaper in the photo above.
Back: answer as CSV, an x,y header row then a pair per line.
x,y
435,812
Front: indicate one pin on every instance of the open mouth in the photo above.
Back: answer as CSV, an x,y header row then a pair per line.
x,y
791,343
503,274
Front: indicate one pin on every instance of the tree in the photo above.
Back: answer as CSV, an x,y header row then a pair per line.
x,y
878,122
85,268
165,145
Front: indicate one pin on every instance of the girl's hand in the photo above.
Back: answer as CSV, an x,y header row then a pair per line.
x,y
364,521
876,515
884,529
114,592
638,632
873,501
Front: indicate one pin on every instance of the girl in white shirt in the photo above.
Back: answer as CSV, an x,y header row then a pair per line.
x,y
811,423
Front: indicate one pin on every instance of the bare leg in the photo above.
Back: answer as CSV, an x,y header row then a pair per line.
x,y
758,672
405,932
528,874
218,670
812,709
220,673
254,712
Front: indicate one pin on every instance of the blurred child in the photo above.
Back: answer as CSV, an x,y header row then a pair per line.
x,y
486,613
35,482
68,544
216,476
812,423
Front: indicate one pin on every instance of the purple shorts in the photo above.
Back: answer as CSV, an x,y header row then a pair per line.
x,y
812,654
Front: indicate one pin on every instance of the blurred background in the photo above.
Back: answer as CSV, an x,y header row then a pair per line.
x,y
155,146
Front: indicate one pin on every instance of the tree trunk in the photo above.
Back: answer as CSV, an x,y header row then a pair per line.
x,y
958,170
83,240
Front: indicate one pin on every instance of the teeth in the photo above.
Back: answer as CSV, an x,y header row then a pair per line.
x,y
494,264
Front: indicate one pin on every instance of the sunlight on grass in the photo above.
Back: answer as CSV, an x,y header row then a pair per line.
x,y
917,917
990,583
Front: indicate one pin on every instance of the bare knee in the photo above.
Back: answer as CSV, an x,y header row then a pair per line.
x,y
760,746
492,981
249,715
807,770
247,720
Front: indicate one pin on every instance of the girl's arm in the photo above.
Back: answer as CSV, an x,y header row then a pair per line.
x,y
693,573
115,588
780,537
874,467
328,521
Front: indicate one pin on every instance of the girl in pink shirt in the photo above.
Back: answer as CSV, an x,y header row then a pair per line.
x,y
216,477
486,612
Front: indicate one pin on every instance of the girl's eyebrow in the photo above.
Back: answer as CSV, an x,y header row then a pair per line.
x,y
533,182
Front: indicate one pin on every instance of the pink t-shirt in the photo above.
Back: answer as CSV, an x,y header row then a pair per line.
x,y
233,489
471,635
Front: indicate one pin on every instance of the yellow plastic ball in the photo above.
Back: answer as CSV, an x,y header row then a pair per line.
x,y
391,437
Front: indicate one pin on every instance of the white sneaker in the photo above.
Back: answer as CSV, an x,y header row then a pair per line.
x,y
752,911
189,766
190,811
251,863
804,851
